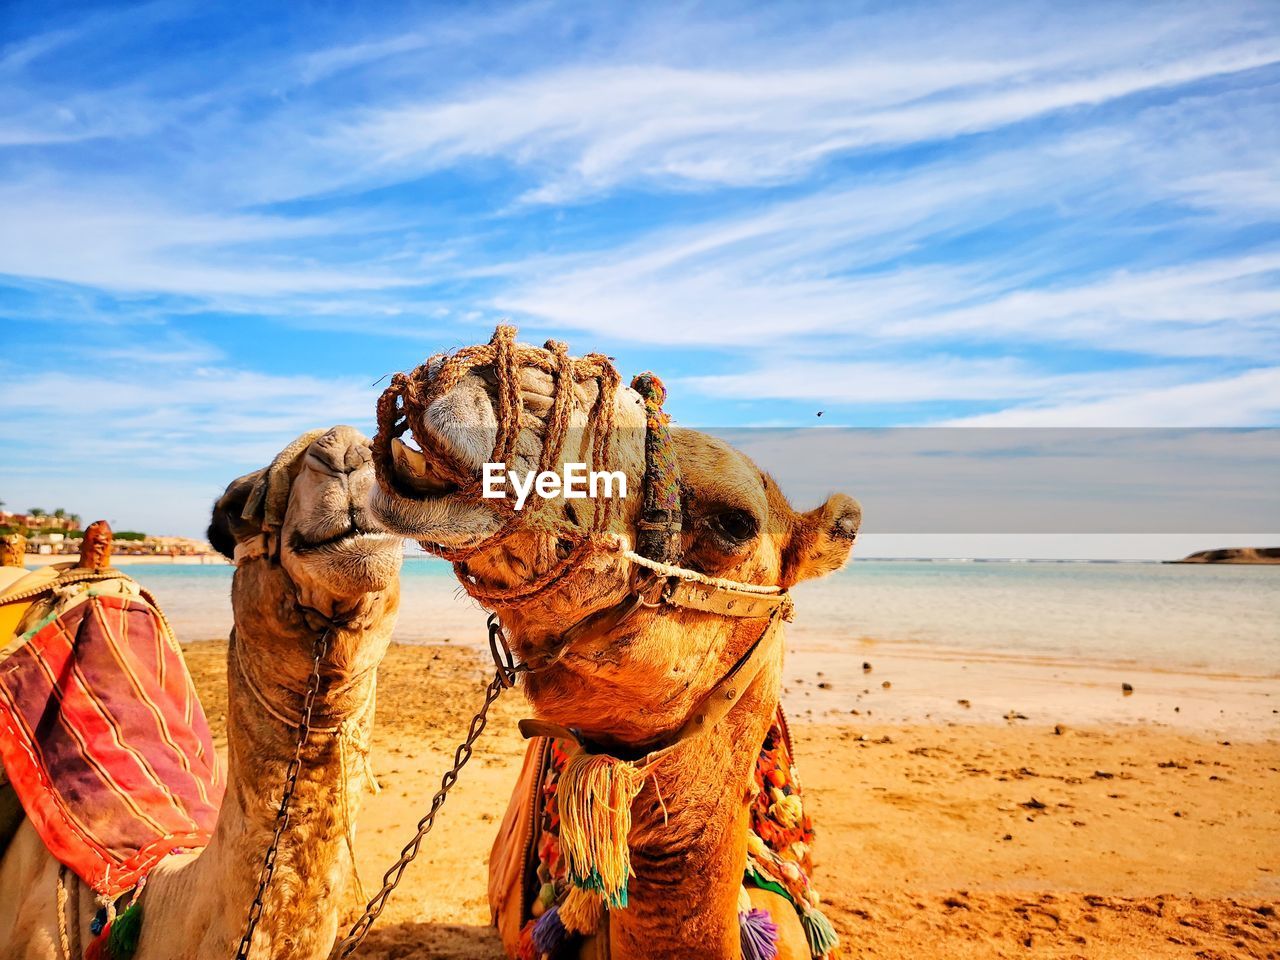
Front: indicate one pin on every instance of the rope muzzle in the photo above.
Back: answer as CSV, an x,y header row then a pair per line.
x,y
404,407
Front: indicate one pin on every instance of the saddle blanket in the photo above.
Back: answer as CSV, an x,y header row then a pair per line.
x,y
103,738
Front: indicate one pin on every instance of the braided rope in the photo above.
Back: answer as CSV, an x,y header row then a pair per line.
x,y
693,576
64,939
404,405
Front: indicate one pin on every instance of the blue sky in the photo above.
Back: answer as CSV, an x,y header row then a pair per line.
x,y
221,225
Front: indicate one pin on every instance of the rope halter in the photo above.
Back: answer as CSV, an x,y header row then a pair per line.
x,y
404,406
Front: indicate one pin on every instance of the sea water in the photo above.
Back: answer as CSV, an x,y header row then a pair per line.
x,y
1179,617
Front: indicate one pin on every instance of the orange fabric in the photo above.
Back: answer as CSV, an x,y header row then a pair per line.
x,y
510,856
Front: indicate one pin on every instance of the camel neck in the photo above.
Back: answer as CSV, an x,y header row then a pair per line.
x,y
268,666
689,840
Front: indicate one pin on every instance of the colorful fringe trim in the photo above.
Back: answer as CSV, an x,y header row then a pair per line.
x,y
588,798
119,937
594,796
549,932
581,912
759,935
819,932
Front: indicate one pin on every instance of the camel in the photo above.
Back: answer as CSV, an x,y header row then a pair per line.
x,y
308,554
619,677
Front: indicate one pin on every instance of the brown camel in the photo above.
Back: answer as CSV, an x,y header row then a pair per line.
x,y
623,677
308,554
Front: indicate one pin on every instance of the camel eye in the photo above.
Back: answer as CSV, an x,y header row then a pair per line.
x,y
734,526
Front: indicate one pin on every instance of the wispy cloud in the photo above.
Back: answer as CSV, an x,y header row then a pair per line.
x,y
159,411
134,243
1251,398
908,381
591,129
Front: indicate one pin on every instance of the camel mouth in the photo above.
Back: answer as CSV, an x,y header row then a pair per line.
x,y
418,494
415,475
354,536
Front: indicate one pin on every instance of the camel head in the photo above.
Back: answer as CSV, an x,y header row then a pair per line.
x,y
633,681
305,517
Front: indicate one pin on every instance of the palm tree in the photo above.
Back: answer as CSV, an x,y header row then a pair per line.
x,y
36,511
59,513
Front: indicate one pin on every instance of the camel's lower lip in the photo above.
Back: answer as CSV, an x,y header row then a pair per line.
x,y
351,537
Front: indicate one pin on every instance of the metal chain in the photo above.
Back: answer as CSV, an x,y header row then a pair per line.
x,y
504,677
290,784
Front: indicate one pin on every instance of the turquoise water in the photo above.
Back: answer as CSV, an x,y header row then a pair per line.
x,y
1216,618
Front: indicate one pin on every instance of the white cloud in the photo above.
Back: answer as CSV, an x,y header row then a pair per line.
x,y
1247,399
587,129
1147,311
841,265
911,381
170,416
117,242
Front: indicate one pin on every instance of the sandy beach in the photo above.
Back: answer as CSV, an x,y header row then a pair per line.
x,y
936,840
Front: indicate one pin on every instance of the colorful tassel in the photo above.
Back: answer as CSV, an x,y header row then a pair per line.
x,y
544,900
759,935
125,932
788,809
581,912
819,932
525,950
594,796
549,933
95,949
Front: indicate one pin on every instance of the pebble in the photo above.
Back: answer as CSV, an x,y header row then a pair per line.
x,y
1059,729
886,684
866,667
1127,688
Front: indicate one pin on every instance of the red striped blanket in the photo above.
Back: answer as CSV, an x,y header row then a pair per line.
x,y
104,740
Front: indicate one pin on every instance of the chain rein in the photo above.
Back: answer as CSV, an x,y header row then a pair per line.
x,y
503,679
286,798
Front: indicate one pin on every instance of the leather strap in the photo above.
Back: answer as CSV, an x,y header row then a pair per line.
x,y
725,601
252,548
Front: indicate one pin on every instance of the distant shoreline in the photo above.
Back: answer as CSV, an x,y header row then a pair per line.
x,y
125,560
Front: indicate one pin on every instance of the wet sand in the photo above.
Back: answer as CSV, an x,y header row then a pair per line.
x,y
935,684
936,840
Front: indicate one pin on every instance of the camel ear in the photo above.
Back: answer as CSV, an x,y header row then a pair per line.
x,y
229,525
821,540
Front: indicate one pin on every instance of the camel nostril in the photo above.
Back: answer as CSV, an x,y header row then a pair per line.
x,y
337,459
355,458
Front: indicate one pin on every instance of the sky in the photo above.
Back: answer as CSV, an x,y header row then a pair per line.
x,y
223,225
